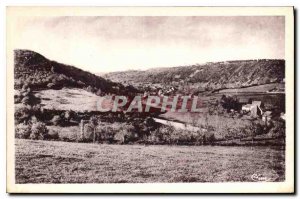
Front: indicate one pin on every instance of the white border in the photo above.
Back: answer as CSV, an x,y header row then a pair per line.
x,y
159,187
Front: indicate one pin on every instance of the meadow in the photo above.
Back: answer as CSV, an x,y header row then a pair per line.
x,y
61,162
254,89
68,99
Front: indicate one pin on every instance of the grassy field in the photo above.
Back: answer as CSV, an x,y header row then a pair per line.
x,y
61,162
254,89
68,99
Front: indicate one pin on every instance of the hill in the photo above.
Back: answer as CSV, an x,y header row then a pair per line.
x,y
37,72
209,76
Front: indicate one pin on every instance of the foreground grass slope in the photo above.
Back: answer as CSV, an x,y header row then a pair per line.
x,y
61,162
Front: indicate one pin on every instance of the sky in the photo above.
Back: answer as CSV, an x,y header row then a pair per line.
x,y
112,43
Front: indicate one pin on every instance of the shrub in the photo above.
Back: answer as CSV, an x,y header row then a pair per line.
x,y
108,134
22,131
163,134
209,138
39,131
29,98
169,135
53,135
23,114
253,130
126,134
229,103
278,129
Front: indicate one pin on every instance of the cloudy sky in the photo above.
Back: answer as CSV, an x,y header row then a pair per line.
x,y
105,44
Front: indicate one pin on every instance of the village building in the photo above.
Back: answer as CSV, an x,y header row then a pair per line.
x,y
255,108
266,117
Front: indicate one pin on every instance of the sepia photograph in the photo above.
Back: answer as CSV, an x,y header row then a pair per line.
x,y
165,99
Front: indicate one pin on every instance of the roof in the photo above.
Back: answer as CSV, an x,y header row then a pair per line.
x,y
267,113
243,100
258,103
247,105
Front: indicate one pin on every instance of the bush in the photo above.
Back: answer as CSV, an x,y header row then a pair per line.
x,y
22,131
278,129
111,133
23,114
209,138
164,134
53,135
107,134
229,103
169,135
126,134
253,130
29,98
39,131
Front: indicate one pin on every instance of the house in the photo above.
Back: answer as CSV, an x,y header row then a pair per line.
x,y
267,116
244,101
246,107
255,108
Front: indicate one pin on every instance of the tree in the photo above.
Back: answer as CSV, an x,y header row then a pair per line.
x,y
23,113
39,131
229,103
22,131
94,123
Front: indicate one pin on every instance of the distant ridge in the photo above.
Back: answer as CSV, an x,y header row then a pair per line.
x,y
209,76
